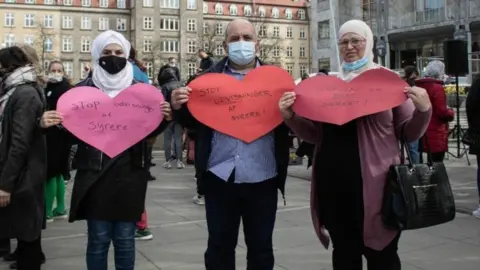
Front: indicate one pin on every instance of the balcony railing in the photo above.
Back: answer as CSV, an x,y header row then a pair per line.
x,y
474,7
417,18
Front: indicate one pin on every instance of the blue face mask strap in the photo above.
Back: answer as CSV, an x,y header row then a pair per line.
x,y
355,65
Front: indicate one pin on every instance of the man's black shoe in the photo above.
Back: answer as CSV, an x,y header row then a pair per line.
x,y
10,257
152,178
153,164
14,265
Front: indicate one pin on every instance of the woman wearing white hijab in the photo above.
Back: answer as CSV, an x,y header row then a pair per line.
x,y
351,163
110,193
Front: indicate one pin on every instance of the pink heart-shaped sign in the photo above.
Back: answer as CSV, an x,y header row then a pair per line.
x,y
331,100
111,125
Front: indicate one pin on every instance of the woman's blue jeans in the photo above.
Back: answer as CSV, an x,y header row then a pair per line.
x,y
414,152
101,234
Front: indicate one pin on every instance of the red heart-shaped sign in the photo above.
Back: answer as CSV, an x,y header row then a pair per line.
x,y
245,109
332,100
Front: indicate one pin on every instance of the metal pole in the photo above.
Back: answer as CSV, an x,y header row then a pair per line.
x,y
459,128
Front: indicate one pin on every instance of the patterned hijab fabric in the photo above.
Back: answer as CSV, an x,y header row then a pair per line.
x,y
435,69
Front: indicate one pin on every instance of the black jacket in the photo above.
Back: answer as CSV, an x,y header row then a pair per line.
x,y
473,116
111,189
177,72
23,165
206,63
204,136
58,147
168,82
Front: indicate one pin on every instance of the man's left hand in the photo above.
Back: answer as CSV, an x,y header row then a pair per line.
x,y
420,98
167,111
4,198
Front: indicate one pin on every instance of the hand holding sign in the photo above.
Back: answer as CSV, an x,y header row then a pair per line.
x,y
112,125
245,109
331,100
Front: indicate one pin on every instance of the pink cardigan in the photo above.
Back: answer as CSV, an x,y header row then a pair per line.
x,y
379,148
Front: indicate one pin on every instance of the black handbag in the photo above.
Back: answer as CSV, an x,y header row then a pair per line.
x,y
417,195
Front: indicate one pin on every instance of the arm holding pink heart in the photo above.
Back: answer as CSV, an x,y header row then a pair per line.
x,y
413,121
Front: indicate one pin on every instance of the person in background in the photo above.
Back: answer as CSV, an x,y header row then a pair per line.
x,y
23,160
436,138
411,74
206,61
169,81
172,63
473,132
58,148
306,148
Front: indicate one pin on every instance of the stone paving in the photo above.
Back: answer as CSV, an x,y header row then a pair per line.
x,y
180,233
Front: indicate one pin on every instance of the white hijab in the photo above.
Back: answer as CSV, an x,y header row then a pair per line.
x,y
362,29
111,84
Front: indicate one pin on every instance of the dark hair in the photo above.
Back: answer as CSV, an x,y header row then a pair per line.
x,y
171,58
323,70
12,58
409,71
201,50
133,57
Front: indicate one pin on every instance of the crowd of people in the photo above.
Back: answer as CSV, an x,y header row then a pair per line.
x,y
236,181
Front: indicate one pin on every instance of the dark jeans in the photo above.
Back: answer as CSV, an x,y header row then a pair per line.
x,y
348,249
228,203
100,234
29,255
200,183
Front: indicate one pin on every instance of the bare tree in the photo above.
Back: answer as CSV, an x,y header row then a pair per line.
x,y
152,55
271,45
43,43
208,38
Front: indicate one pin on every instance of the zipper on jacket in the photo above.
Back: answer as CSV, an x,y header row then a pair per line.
x,y
101,160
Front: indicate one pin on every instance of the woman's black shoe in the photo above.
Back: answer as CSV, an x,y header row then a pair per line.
x,y
14,265
10,257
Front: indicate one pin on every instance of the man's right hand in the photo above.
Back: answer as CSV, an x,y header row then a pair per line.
x,y
180,97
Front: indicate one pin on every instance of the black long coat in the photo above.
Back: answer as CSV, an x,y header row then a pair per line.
x,y
23,164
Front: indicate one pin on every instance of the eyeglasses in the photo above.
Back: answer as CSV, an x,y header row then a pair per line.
x,y
355,43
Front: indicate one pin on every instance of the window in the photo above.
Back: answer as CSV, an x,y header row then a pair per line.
x,y
262,31
169,24
148,3
289,68
86,23
30,40
46,63
276,51
170,4
218,9
67,22
289,33
276,31
67,2
303,52
9,40
10,1
83,72
121,24
9,19
191,25
205,28
169,46
192,69
324,30
103,24
29,2
122,3
263,53
324,63
219,29
206,47
205,8
48,2
247,11
103,3
68,68
48,44
301,14
147,23
147,44
275,12
149,66
48,21
67,44
303,70
29,20
302,33
86,3
233,10
289,51
191,4
288,13
192,46
262,12
219,50
85,45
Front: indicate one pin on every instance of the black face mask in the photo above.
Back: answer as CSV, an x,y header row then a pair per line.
x,y
112,64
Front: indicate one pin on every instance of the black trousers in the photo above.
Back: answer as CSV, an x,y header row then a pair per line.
x,y
438,157
29,255
226,204
4,247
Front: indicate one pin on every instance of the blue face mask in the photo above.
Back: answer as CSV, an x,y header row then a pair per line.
x,y
241,52
352,66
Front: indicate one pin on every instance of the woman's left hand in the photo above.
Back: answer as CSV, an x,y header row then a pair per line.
x,y
420,98
167,110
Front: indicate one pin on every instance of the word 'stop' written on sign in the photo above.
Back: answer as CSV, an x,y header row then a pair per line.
x,y
244,108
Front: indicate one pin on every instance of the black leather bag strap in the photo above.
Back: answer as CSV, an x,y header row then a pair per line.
x,y
405,149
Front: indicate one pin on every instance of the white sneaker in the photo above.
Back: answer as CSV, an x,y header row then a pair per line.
x,y
180,165
200,200
167,165
476,213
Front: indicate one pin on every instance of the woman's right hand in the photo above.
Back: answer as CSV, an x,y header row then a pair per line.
x,y
285,104
50,119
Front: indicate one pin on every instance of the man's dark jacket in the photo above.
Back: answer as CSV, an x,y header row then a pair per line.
x,y
206,63
204,135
